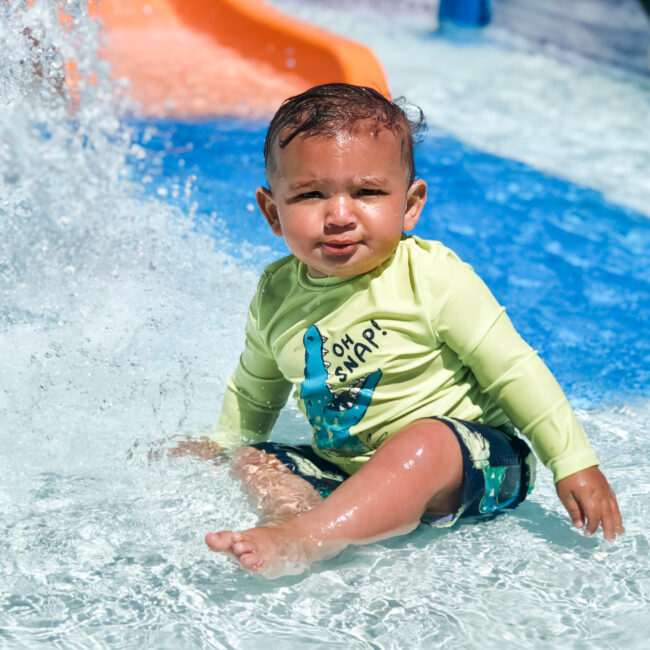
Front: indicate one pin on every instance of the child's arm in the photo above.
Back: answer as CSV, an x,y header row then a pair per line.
x,y
254,396
590,501
251,404
476,327
255,393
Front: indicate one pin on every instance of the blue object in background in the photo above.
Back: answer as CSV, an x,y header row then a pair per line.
x,y
475,13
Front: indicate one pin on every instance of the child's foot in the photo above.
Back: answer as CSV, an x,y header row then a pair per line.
x,y
271,550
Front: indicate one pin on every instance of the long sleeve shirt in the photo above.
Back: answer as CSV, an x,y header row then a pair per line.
x,y
419,336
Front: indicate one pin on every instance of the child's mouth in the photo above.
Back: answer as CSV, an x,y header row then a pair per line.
x,y
339,247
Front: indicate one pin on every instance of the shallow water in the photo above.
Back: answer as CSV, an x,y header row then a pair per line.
x,y
121,319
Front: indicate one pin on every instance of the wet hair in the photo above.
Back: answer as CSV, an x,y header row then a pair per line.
x,y
337,107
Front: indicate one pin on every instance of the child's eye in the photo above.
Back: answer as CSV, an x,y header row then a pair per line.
x,y
370,191
308,195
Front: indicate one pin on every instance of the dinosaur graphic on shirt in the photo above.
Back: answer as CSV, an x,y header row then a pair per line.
x,y
333,414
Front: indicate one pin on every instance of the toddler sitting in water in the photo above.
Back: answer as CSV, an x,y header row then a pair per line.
x,y
410,373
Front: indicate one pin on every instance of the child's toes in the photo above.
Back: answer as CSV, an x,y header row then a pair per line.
x,y
244,546
219,541
252,561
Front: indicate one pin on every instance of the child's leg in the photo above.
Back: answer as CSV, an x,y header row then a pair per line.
x,y
419,469
276,493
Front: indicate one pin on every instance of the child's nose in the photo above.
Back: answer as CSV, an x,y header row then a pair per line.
x,y
340,211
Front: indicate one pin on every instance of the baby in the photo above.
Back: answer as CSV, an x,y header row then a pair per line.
x,y
410,373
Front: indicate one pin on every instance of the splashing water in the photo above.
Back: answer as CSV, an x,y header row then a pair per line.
x,y
94,275
106,298
119,325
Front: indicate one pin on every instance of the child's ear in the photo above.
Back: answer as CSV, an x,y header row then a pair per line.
x,y
416,197
266,203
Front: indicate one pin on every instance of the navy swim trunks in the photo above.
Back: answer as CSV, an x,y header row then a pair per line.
x,y
499,469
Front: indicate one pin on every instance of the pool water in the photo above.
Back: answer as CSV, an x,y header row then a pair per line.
x,y
128,253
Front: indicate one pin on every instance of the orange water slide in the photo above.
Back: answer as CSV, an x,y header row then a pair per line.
x,y
195,58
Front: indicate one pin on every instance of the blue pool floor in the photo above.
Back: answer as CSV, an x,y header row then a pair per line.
x,y
571,267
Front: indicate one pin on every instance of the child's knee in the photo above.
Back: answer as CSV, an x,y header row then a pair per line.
x,y
244,456
247,461
431,437
430,443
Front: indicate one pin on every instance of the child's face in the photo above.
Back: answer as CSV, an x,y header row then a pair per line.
x,y
341,202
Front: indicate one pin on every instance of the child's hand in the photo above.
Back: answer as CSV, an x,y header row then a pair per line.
x,y
589,500
202,448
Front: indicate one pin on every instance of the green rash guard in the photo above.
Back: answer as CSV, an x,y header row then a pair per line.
x,y
419,336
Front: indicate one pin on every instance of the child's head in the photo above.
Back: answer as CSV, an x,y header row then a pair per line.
x,y
335,108
339,161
